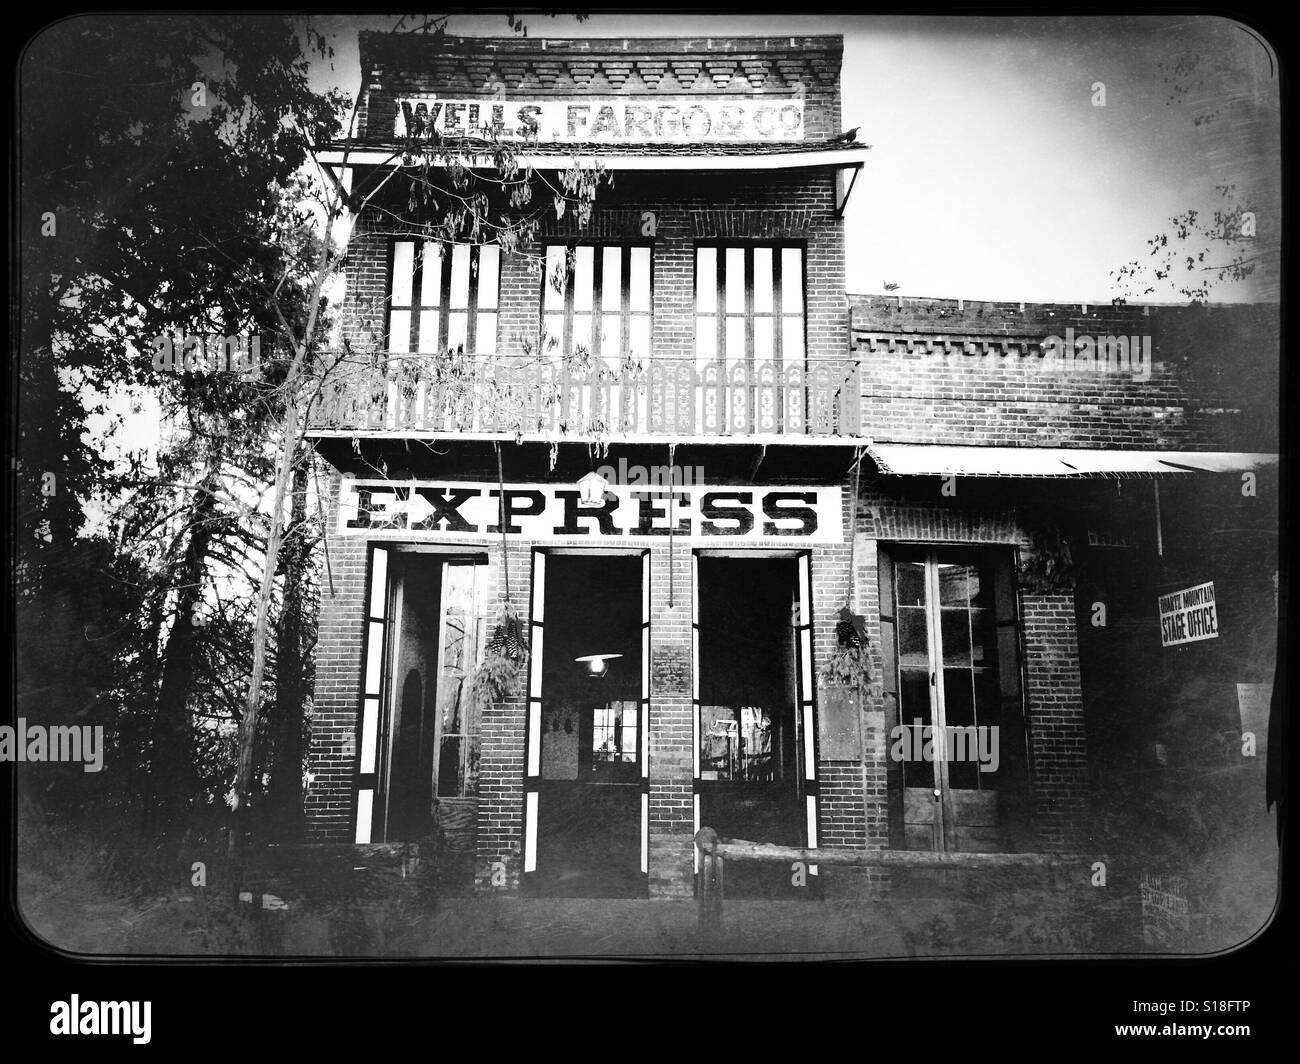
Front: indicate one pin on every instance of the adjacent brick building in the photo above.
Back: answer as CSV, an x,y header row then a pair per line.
x,y
898,473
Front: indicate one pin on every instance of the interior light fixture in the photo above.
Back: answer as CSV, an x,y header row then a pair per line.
x,y
597,664
591,494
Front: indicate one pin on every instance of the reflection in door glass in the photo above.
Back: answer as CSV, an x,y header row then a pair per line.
x,y
910,578
614,733
736,744
913,636
461,645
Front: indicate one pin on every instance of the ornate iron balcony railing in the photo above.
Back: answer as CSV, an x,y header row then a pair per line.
x,y
455,394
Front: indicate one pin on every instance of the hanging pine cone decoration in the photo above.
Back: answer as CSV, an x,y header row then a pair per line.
x,y
849,664
846,635
507,637
499,673
851,630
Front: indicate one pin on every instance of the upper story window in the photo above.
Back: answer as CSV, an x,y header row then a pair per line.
x,y
749,303
443,298
602,305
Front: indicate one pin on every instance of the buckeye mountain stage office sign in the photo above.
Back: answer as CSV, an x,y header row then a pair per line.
x,y
1188,616
753,515
615,121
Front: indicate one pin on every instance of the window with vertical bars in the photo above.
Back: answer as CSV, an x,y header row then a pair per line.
x,y
601,305
749,303
443,298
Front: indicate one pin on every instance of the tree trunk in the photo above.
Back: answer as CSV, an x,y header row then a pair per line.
x,y
173,772
252,704
284,799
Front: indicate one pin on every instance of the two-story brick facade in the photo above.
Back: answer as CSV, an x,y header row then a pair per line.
x,y
879,469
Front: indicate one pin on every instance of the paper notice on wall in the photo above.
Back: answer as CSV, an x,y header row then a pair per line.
x,y
560,745
1253,700
1188,616
1166,916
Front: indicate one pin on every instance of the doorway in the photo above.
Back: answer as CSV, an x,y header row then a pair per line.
x,y
588,708
419,729
957,738
754,778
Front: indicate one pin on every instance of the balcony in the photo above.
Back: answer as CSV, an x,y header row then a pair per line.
x,y
489,396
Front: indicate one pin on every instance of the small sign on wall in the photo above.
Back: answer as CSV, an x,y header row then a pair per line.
x,y
1166,916
839,738
1253,701
1188,616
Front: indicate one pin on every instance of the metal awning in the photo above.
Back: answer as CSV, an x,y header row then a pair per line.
x,y
930,460
844,158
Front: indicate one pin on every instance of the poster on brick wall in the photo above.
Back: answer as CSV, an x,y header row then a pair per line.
x,y
1188,616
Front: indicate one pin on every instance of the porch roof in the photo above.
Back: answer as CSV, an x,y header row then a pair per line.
x,y
921,460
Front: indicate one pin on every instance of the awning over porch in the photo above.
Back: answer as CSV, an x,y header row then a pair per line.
x,y
928,460
683,157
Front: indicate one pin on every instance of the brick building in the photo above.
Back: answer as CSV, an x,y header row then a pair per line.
x,y
904,474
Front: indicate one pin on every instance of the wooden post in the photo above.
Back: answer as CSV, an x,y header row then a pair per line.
x,y
709,892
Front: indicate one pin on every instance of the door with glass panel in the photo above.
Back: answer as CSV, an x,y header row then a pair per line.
x,y
957,742
419,739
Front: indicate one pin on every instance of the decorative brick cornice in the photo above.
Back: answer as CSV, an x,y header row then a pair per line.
x,y
512,73
686,71
777,65
616,71
651,71
582,73
721,71
728,222
755,72
912,344
547,72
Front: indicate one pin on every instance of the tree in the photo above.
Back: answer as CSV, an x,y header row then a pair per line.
x,y
189,199
134,213
449,198
1226,88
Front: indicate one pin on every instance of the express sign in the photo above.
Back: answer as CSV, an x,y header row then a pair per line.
x,y
683,120
755,514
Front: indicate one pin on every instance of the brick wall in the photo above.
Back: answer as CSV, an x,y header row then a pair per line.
x,y
1058,760
1053,700
917,386
841,807
647,68
672,815
328,801
854,799
773,205
953,372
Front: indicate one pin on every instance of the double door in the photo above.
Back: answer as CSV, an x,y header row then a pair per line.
x,y
958,739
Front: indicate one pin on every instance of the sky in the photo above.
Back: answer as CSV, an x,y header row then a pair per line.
x,y
993,172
